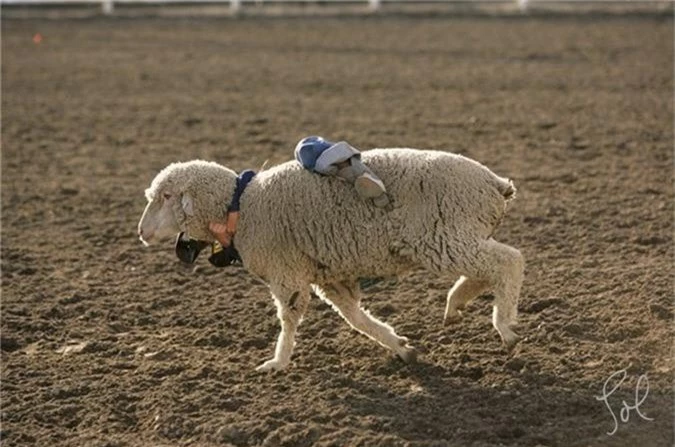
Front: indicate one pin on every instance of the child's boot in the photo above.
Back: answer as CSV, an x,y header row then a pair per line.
x,y
188,249
367,184
370,187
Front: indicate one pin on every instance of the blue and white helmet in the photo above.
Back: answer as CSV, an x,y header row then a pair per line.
x,y
308,150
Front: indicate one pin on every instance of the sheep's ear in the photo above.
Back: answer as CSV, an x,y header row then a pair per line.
x,y
186,201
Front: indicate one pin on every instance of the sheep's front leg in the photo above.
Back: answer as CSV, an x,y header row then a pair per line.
x,y
291,306
346,297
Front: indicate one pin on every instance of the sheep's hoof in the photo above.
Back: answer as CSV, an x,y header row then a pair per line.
x,y
408,354
452,318
511,342
271,365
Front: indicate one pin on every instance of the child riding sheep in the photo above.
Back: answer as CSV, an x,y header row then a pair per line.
x,y
342,160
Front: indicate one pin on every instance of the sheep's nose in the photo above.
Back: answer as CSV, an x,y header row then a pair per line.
x,y
144,235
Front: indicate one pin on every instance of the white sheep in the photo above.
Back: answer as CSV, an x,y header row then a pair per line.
x,y
299,231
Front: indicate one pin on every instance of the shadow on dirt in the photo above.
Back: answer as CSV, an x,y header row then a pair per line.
x,y
441,406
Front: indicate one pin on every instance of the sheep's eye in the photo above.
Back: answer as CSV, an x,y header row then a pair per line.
x,y
166,196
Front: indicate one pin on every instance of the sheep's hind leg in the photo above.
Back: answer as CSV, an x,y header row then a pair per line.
x,y
346,297
505,267
501,267
291,306
464,290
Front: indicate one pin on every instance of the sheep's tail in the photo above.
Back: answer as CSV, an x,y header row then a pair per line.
x,y
507,189
504,186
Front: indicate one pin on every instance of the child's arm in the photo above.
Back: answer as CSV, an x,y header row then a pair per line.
x,y
219,231
224,232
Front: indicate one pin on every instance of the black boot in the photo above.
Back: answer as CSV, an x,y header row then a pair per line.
x,y
223,257
187,250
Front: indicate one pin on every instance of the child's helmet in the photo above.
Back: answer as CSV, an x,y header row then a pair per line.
x,y
308,150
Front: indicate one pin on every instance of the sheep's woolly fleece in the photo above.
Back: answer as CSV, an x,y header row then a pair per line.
x,y
296,224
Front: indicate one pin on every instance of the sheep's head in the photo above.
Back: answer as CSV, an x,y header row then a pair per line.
x,y
186,197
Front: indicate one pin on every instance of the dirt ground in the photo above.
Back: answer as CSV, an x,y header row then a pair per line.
x,y
108,343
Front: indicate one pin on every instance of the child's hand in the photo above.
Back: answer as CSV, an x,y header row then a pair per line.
x,y
219,231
